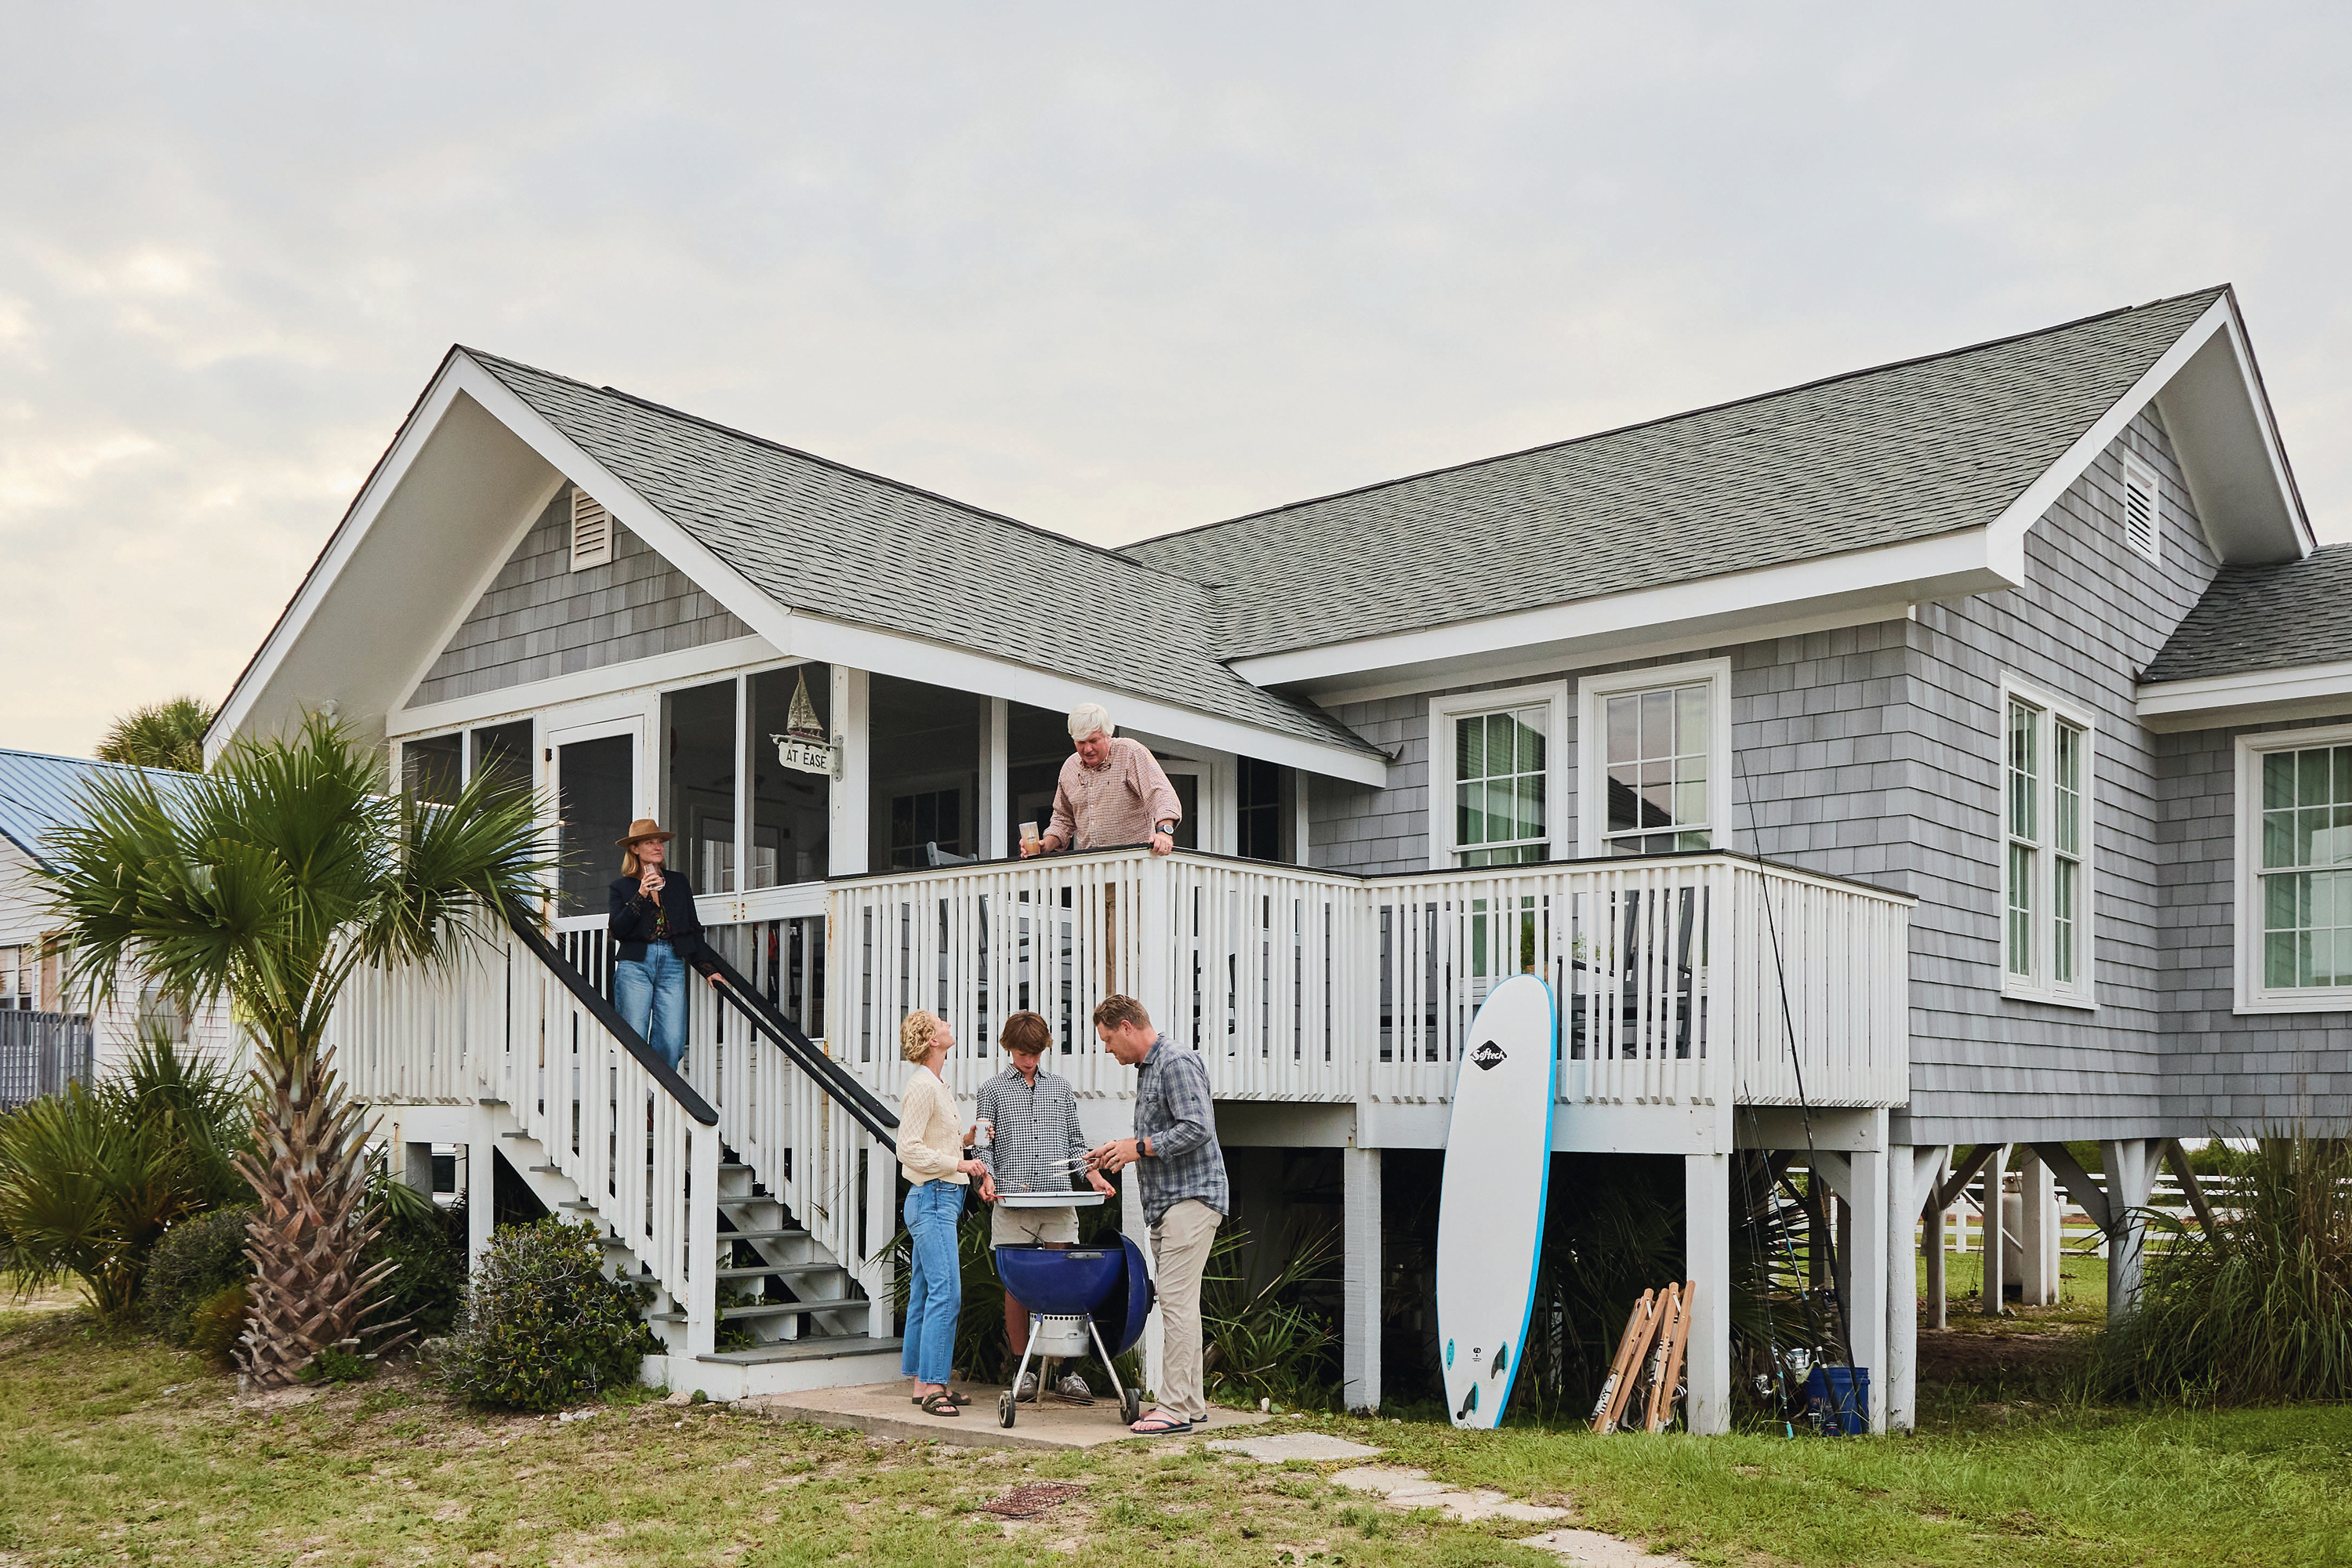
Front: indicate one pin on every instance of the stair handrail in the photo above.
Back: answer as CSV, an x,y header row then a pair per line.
x,y
587,996
837,1082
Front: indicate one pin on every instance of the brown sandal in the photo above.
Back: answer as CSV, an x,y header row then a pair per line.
x,y
958,1398
940,1403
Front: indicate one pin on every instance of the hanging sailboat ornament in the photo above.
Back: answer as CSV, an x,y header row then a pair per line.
x,y
804,746
1490,1212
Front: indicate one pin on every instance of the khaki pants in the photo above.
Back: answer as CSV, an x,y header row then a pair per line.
x,y
1179,1251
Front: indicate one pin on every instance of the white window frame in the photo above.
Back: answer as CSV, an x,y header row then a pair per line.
x,y
2083,991
2252,995
1592,693
1444,853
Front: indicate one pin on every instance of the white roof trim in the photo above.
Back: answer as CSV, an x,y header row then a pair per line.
x,y
1852,589
2305,691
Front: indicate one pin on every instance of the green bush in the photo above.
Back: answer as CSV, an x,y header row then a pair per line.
x,y
425,1244
218,1321
91,1180
2258,1311
197,1260
543,1325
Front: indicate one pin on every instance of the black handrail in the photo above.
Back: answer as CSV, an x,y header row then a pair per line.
x,y
837,1082
588,997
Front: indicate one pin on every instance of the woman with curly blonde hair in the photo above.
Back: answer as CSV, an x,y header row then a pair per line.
x,y
930,1152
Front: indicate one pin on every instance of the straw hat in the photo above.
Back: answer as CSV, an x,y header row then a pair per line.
x,y
644,827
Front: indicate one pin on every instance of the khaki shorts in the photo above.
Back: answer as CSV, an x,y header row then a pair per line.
x,y
1021,1227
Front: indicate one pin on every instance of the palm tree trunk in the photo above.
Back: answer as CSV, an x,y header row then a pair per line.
x,y
308,1170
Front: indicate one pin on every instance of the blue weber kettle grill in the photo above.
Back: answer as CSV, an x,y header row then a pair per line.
x,y
1079,1298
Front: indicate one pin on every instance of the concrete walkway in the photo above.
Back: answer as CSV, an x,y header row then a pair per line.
x,y
888,1410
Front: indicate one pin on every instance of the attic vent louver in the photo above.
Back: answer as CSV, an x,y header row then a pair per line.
x,y
592,531
2139,509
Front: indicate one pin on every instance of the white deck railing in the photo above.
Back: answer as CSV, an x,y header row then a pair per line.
x,y
503,1026
1679,979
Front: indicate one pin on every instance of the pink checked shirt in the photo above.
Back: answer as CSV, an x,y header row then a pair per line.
x,y
1117,802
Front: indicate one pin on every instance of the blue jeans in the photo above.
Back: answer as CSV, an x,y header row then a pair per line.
x,y
651,999
935,1286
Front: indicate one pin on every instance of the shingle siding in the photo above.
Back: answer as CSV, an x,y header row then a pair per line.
x,y
2228,1072
539,618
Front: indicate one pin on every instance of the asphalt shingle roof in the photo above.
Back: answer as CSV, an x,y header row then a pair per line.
x,y
40,796
1878,456
2279,615
822,538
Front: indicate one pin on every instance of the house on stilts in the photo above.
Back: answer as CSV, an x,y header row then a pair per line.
x,y
1923,761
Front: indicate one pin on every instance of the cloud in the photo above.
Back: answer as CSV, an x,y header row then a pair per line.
x,y
1111,270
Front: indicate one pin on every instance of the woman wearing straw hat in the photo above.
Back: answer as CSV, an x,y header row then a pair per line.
x,y
655,936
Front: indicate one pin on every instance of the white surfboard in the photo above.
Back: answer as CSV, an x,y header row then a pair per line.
x,y
1490,1213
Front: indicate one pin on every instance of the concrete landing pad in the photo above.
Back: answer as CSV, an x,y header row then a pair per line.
x,y
888,1410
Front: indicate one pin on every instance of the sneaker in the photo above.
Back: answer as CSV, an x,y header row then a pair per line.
x,y
1074,1390
1028,1389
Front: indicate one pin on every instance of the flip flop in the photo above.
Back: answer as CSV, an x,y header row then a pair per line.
x,y
1159,1423
940,1404
958,1398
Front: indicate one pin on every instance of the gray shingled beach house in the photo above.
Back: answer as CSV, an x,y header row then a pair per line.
x,y
1950,755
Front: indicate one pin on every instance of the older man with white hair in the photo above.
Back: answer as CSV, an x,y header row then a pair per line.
x,y
1112,790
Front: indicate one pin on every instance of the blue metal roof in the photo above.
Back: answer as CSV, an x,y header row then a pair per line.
x,y
41,795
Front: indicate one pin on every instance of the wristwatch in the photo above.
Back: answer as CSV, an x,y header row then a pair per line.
x,y
1140,1151
1167,827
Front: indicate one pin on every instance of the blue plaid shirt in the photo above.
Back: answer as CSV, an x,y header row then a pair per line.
x,y
1172,1109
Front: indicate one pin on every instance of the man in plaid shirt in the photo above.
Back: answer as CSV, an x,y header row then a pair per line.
x,y
1033,1145
1186,1195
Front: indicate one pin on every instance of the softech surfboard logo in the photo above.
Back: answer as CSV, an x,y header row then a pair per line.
x,y
1487,1056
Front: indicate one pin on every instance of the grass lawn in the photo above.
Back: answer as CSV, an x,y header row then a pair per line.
x,y
114,1449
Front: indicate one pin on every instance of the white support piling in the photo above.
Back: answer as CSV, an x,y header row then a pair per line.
x,y
1360,1287
1707,1196
2131,1170
1996,1244
1938,1217
481,1185
1131,1222
1866,1267
1916,1173
2039,1238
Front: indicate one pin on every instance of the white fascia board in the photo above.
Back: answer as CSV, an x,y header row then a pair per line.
x,y
1853,589
671,668
804,635
911,659
389,471
2305,691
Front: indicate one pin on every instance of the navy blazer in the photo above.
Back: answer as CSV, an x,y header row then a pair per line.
x,y
632,919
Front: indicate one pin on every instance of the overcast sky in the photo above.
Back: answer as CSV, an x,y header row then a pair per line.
x,y
1111,269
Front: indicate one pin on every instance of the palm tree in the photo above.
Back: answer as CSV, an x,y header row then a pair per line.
x,y
273,879
160,735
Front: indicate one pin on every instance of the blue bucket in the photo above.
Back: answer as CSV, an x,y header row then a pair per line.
x,y
1837,1401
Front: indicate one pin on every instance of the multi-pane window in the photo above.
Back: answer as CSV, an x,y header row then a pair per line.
x,y
2045,883
2306,869
17,976
1499,766
1658,744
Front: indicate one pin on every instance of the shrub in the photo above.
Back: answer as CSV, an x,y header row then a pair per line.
x,y
218,1321
425,1244
198,1259
91,1180
543,1324
2258,1311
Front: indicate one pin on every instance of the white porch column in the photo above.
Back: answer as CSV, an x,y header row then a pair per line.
x,y
875,1271
995,805
2040,1235
1360,1287
1866,1267
1915,1172
851,803
2131,1171
1707,1204
1996,1239
481,1184
1131,1222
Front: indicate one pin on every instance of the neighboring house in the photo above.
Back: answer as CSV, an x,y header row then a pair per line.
x,y
41,796
1943,756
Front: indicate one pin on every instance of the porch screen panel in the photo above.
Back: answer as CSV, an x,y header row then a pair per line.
x,y
1657,744
503,751
595,789
699,783
791,810
1500,763
2307,901
434,769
